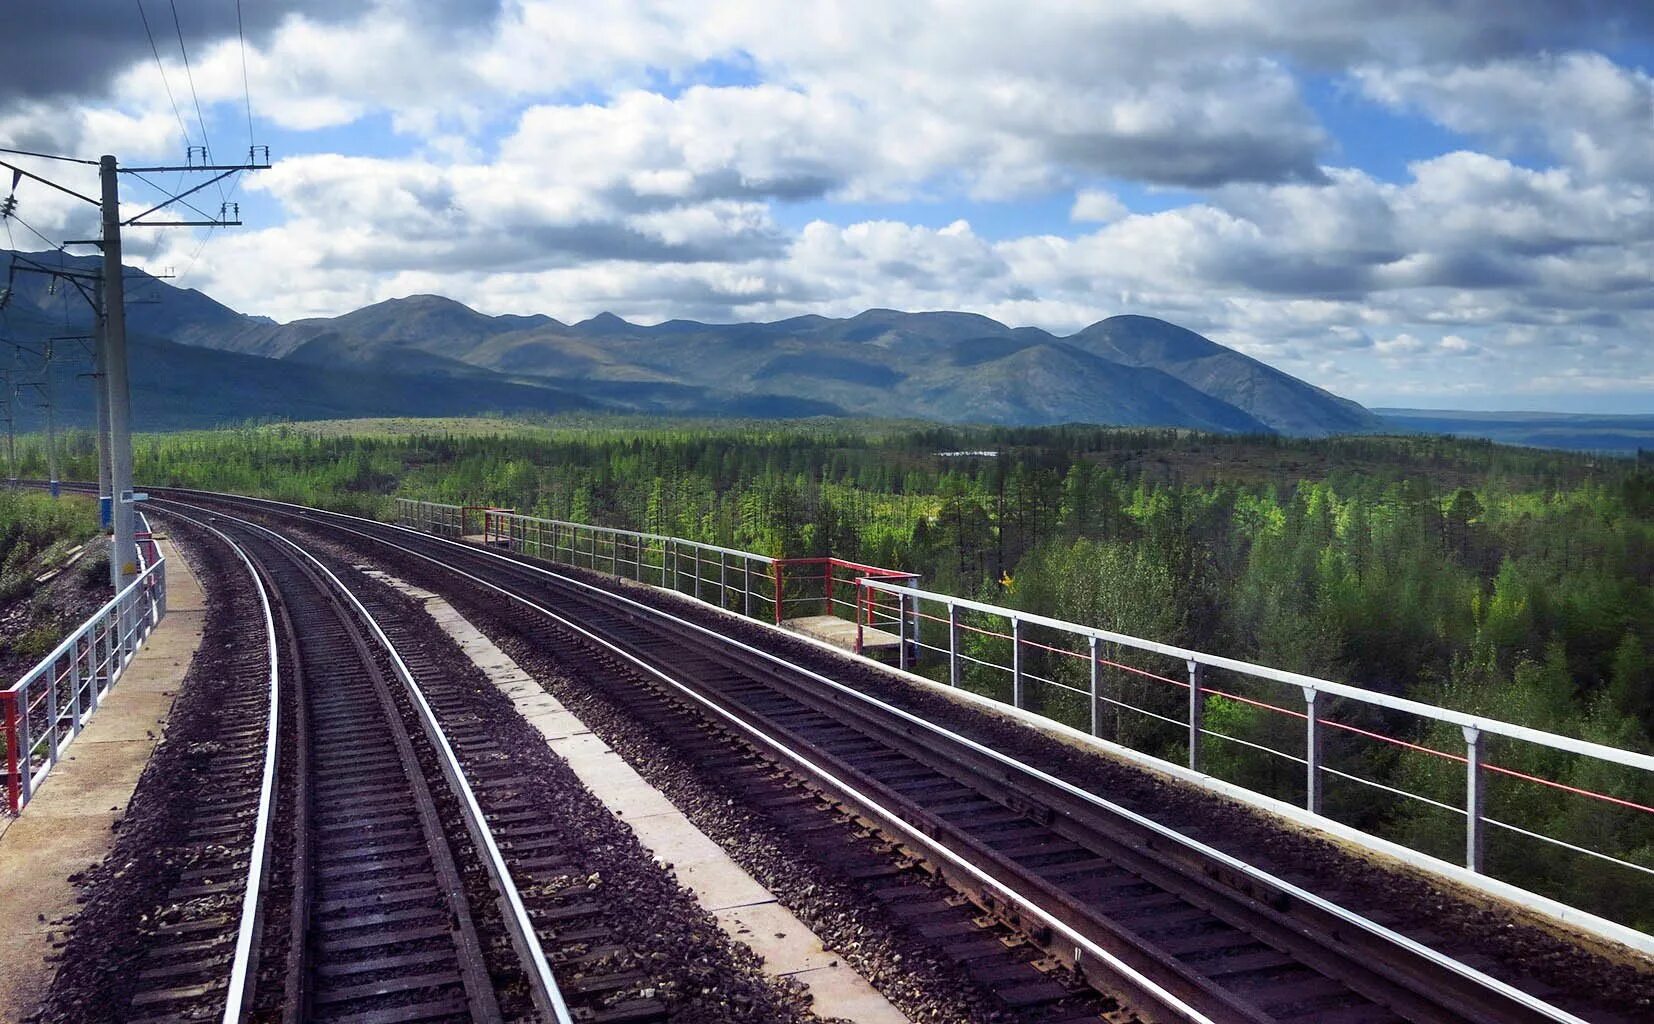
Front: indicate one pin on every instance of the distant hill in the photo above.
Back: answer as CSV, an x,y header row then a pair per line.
x,y
1286,403
1588,432
427,354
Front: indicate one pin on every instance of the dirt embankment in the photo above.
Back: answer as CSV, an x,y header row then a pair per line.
x,y
44,595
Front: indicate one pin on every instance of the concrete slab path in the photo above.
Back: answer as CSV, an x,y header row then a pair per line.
x,y
744,907
68,826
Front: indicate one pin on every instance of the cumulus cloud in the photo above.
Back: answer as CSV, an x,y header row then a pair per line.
x,y
1581,108
1096,205
647,158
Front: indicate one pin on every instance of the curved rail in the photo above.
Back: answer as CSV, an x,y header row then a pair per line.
x,y
241,963
1521,1004
546,994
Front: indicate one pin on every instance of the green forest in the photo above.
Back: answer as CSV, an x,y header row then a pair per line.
x,y
1515,583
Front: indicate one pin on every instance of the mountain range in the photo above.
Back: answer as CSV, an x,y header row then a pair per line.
x,y
197,362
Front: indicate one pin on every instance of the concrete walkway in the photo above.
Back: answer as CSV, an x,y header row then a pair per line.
x,y
67,827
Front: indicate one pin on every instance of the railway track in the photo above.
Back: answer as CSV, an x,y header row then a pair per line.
x,y
418,862
1179,930
380,911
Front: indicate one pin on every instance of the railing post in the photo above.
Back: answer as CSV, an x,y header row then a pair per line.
x,y
1096,663
746,586
14,776
1016,662
861,627
918,621
74,687
953,644
23,737
775,567
697,572
99,661
1312,750
1197,713
54,713
1475,800
829,610
723,579
901,630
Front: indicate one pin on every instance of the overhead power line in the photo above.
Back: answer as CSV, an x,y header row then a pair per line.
x,y
200,118
246,88
162,69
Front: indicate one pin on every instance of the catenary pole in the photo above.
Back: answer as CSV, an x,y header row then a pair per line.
x,y
52,483
11,419
124,554
100,392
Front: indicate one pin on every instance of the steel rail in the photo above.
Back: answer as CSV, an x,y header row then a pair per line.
x,y
547,996
235,1000
1118,969
1408,946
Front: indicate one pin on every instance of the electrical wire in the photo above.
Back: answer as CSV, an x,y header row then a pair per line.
x,y
49,243
200,118
173,194
162,69
246,87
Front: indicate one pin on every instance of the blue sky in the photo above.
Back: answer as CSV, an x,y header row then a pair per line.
x,y
1408,203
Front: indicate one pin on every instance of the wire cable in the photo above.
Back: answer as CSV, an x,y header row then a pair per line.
x,y
162,69
246,88
49,243
200,118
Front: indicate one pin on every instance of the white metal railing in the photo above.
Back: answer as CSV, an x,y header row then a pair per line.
x,y
43,712
734,580
1077,676
431,517
963,633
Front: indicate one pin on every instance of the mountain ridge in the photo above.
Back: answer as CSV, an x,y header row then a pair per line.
x,y
947,365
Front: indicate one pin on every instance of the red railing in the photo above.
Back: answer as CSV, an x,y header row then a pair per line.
x,y
488,513
832,573
14,768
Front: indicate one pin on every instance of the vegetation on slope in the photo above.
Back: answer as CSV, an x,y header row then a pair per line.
x,y
1509,582
40,603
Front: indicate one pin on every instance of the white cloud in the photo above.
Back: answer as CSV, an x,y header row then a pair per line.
x,y
1582,108
639,156
1097,205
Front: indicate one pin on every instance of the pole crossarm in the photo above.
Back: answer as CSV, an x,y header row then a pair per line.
x,y
47,181
138,220
55,272
183,224
74,277
194,167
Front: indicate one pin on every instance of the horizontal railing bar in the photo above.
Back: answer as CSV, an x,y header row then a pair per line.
x,y
47,663
1614,755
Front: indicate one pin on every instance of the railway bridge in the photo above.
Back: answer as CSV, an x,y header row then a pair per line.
x,y
474,765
